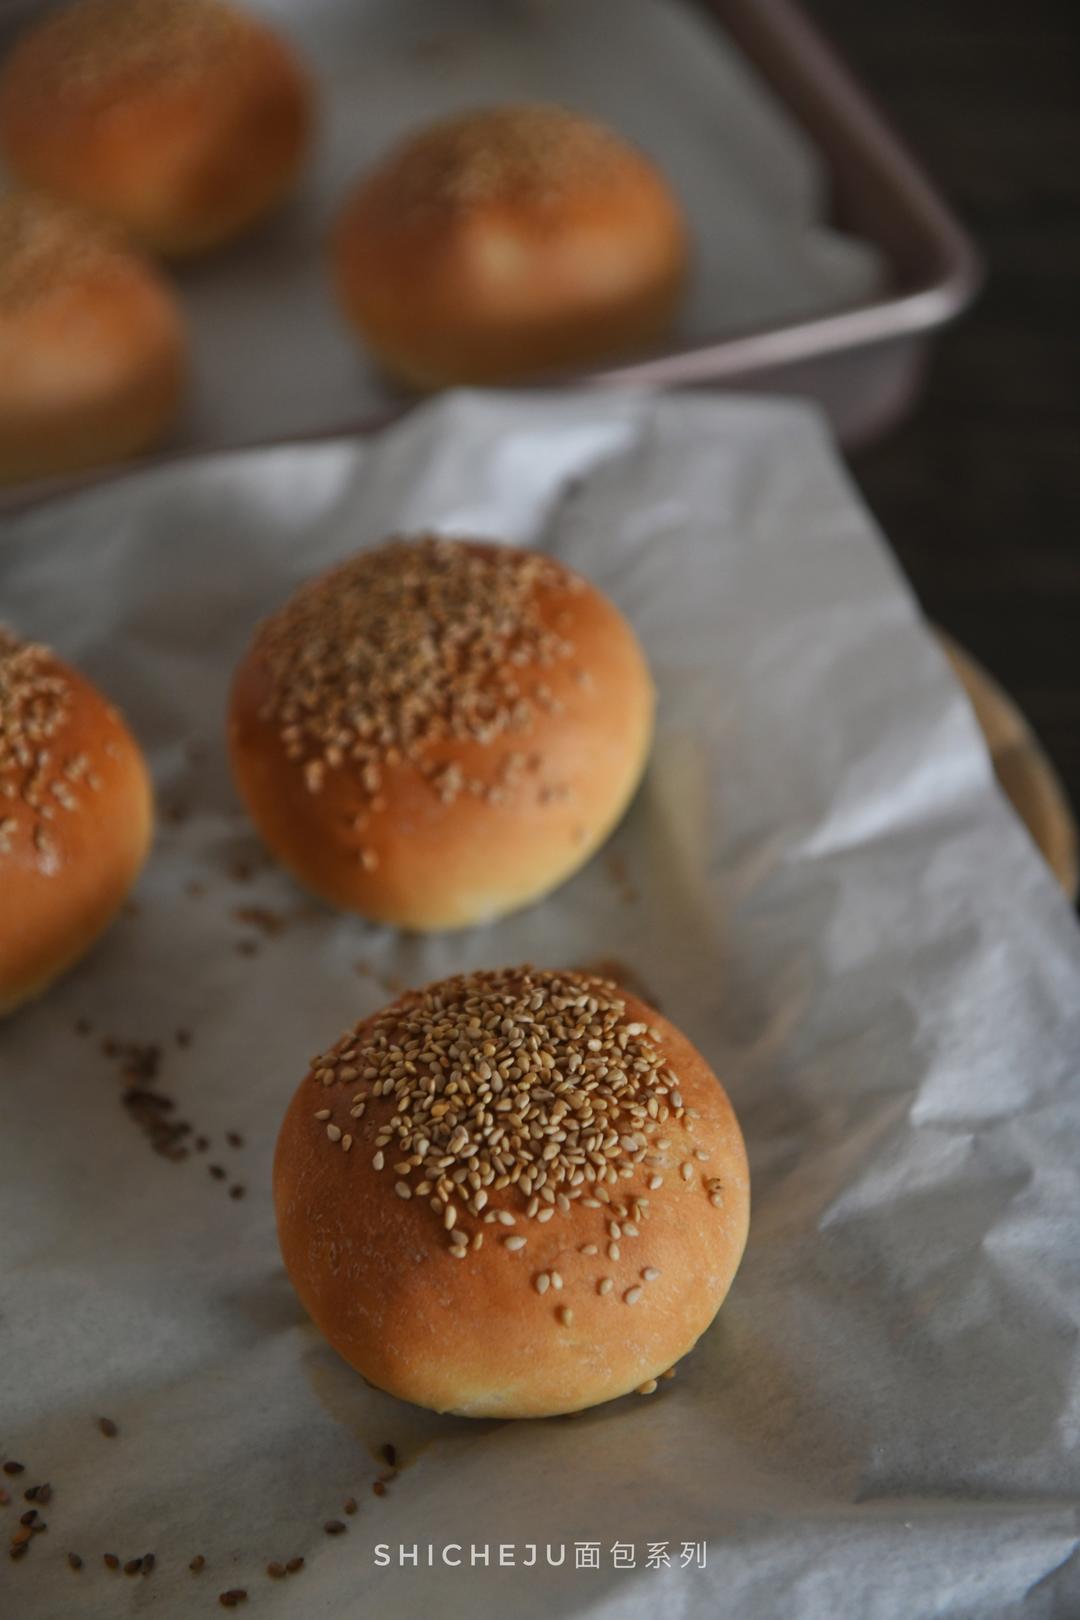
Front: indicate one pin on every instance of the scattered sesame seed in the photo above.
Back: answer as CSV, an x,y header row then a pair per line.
x,y
542,1283
565,1315
588,1248
648,1387
605,1285
514,1243
334,1132
613,1251
650,1274
556,1279
632,1295
686,1170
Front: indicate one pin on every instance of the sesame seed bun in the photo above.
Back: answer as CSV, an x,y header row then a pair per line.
x,y
507,243
184,121
92,346
512,1194
75,816
437,732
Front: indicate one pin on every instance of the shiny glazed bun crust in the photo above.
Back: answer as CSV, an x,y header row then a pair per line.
x,y
507,243
92,346
184,121
512,1194
438,731
75,817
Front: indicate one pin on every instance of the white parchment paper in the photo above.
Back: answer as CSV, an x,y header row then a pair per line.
x,y
272,356
819,881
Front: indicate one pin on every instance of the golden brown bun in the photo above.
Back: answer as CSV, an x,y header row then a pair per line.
x,y
182,120
507,243
437,732
472,1332
92,346
75,817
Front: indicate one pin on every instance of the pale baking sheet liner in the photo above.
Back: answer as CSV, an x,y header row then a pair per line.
x,y
819,881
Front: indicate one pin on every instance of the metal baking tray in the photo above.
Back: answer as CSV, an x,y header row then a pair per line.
x,y
864,365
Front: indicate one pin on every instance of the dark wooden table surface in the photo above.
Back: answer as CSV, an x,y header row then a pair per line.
x,y
980,491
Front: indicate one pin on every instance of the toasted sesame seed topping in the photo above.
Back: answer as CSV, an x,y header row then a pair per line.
x,y
632,1295
404,647
334,1132
605,1285
687,1171
648,1387
542,1283
522,1083
35,699
650,1274
565,1315
588,1248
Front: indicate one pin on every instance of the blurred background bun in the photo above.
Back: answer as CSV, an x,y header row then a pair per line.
x,y
75,816
92,345
439,731
506,243
182,120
